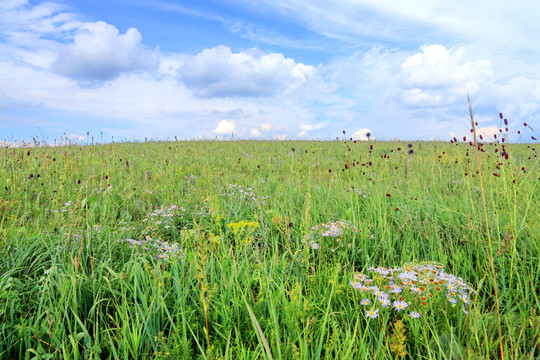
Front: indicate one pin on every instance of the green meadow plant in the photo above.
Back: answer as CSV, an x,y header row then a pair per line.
x,y
272,249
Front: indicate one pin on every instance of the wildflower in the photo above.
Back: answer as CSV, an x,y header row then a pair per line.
x,y
414,315
400,305
452,301
365,302
360,277
407,275
372,314
464,298
315,246
379,293
384,301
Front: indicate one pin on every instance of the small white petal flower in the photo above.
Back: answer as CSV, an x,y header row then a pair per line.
x,y
372,314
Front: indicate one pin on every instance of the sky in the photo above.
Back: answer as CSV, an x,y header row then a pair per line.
x,y
127,70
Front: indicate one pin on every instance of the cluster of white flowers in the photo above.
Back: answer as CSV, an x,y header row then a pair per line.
x,y
239,192
164,249
328,230
164,215
410,285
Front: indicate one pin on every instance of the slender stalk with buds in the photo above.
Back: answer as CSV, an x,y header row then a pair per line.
x,y
490,252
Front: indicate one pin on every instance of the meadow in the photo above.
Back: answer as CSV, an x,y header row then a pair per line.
x,y
270,250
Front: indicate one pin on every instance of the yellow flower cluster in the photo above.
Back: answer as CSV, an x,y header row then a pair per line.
x,y
242,225
245,228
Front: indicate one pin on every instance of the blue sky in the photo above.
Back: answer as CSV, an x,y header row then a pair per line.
x,y
266,69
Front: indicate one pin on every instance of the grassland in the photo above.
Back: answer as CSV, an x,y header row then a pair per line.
x,y
210,250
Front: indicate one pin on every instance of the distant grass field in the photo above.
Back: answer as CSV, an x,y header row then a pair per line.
x,y
271,250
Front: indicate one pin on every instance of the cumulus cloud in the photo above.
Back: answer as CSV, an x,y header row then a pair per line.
x,y
437,76
218,72
362,135
255,133
75,137
99,53
225,127
306,128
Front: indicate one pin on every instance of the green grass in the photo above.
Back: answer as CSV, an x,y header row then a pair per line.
x,y
72,286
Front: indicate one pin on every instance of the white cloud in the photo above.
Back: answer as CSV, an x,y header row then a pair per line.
x,y
225,127
266,126
99,53
12,4
218,72
255,133
518,97
32,26
306,128
75,137
361,134
438,76
499,24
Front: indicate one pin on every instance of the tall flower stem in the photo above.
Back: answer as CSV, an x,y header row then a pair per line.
x,y
490,252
